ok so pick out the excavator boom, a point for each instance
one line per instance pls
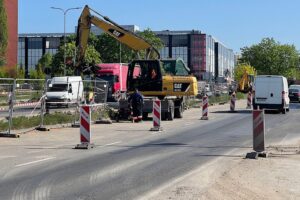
(113, 29)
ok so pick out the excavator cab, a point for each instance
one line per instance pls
(145, 75)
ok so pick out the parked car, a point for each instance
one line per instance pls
(271, 92)
(294, 93)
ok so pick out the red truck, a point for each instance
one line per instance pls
(116, 76)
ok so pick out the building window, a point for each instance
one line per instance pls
(35, 51)
(21, 52)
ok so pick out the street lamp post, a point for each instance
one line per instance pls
(65, 13)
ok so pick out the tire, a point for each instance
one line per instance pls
(145, 115)
(179, 112)
(283, 110)
(288, 109)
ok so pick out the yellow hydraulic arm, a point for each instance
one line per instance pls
(113, 29)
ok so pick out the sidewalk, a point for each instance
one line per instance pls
(276, 177)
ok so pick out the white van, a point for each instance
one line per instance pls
(65, 89)
(271, 92)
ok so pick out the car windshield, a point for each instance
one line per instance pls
(58, 88)
(293, 90)
(108, 77)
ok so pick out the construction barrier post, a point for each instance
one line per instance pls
(76, 123)
(11, 98)
(43, 110)
(232, 102)
(258, 135)
(249, 100)
(85, 128)
(156, 116)
(204, 108)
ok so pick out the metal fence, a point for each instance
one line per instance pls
(7, 88)
(21, 99)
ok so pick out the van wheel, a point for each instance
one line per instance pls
(283, 111)
(288, 109)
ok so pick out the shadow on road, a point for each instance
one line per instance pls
(233, 112)
(219, 155)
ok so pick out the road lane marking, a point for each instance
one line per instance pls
(33, 162)
(3, 157)
(37, 151)
(188, 124)
(110, 144)
(116, 169)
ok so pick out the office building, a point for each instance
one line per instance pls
(207, 58)
(31, 47)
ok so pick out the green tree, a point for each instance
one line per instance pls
(240, 69)
(91, 57)
(150, 37)
(20, 72)
(3, 33)
(109, 49)
(44, 62)
(270, 57)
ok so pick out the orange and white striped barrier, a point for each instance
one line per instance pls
(85, 128)
(204, 108)
(156, 116)
(249, 100)
(258, 130)
(232, 102)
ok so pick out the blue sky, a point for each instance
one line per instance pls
(236, 23)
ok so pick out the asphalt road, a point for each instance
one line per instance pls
(132, 168)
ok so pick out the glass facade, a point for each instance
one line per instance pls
(199, 53)
(35, 51)
(31, 47)
(224, 61)
(21, 52)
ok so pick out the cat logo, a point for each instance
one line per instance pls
(116, 33)
(181, 87)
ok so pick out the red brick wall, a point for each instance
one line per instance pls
(12, 17)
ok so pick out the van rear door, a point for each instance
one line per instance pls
(268, 90)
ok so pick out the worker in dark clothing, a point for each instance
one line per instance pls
(136, 101)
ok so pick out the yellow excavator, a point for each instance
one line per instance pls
(246, 83)
(172, 81)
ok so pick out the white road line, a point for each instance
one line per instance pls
(188, 124)
(33, 162)
(3, 157)
(37, 151)
(112, 143)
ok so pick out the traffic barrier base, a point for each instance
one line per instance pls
(42, 128)
(255, 155)
(85, 146)
(9, 135)
(156, 129)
